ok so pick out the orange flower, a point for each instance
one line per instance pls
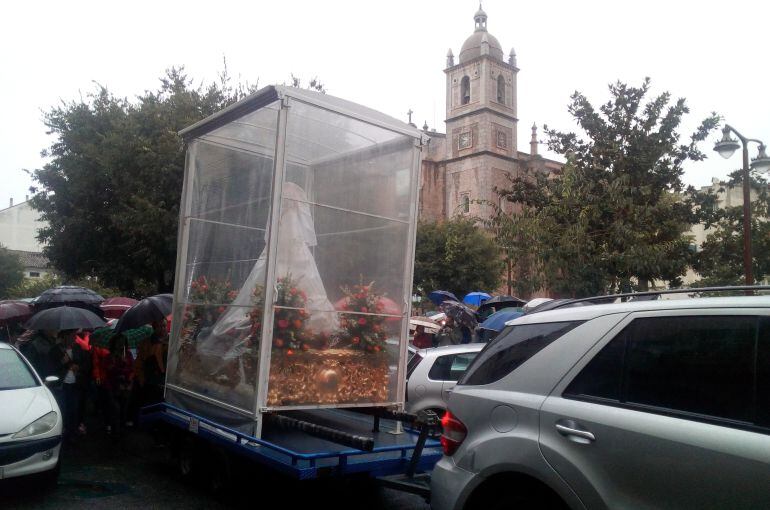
(289, 352)
(278, 342)
(297, 323)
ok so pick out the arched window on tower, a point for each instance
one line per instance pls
(500, 89)
(465, 90)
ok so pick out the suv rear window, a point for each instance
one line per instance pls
(512, 348)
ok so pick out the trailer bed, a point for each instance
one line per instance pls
(302, 456)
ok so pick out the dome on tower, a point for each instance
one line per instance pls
(472, 46)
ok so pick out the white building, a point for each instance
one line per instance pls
(19, 225)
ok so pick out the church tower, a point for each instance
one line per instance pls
(481, 141)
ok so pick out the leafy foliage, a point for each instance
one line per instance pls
(110, 194)
(456, 256)
(615, 215)
(11, 271)
(720, 261)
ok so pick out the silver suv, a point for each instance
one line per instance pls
(648, 404)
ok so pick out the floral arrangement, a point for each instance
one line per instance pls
(360, 329)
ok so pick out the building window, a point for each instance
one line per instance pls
(465, 202)
(465, 140)
(34, 274)
(500, 89)
(502, 140)
(465, 90)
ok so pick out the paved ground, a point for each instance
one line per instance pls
(138, 474)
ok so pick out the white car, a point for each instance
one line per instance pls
(432, 375)
(30, 420)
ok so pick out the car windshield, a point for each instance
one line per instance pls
(14, 373)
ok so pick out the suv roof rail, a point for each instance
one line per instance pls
(604, 299)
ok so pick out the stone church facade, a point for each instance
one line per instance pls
(479, 149)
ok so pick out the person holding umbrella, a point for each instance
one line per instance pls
(119, 371)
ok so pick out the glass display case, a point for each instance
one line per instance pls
(295, 256)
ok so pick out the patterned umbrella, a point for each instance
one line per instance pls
(101, 337)
(64, 317)
(14, 311)
(115, 307)
(146, 311)
(460, 313)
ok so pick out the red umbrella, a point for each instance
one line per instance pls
(115, 307)
(14, 310)
(389, 307)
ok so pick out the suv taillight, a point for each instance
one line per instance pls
(454, 433)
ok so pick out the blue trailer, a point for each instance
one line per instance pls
(293, 291)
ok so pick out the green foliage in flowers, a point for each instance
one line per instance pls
(360, 330)
(289, 324)
(213, 296)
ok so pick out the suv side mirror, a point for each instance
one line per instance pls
(51, 380)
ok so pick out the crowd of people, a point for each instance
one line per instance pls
(112, 382)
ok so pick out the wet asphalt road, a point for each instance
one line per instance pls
(136, 473)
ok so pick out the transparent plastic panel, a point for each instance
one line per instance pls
(357, 364)
(352, 165)
(219, 307)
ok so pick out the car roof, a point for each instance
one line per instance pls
(589, 311)
(4, 345)
(451, 349)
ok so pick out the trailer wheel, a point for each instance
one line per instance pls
(187, 458)
(218, 472)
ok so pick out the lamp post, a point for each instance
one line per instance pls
(726, 147)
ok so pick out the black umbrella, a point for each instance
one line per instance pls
(69, 295)
(63, 318)
(146, 311)
(500, 302)
(460, 313)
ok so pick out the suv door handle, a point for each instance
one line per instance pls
(566, 431)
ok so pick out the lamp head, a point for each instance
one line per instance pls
(761, 163)
(727, 146)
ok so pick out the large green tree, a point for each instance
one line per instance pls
(456, 256)
(110, 193)
(616, 215)
(11, 271)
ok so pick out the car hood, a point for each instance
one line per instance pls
(22, 407)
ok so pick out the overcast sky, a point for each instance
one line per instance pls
(386, 55)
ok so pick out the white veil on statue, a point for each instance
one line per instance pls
(296, 235)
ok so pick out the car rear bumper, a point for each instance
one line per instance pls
(21, 458)
(450, 485)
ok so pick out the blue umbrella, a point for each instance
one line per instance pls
(439, 296)
(475, 298)
(496, 321)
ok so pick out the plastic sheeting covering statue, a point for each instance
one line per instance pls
(296, 236)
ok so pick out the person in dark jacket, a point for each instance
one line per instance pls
(61, 357)
(119, 379)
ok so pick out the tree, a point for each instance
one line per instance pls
(720, 261)
(456, 256)
(11, 271)
(616, 214)
(110, 194)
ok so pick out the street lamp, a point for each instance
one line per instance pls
(726, 147)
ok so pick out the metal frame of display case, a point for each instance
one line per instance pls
(286, 96)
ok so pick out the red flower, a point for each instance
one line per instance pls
(283, 324)
(356, 340)
(376, 328)
(376, 348)
(278, 342)
(364, 309)
(221, 309)
(305, 347)
(362, 322)
(194, 285)
(289, 352)
(205, 288)
(297, 323)
(201, 279)
(293, 291)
